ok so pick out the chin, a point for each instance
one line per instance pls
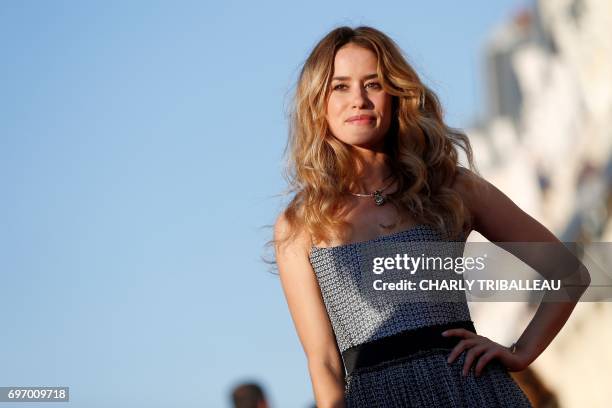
(370, 144)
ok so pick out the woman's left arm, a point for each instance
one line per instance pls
(499, 220)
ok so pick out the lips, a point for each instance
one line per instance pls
(361, 118)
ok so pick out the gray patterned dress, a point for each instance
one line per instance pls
(424, 379)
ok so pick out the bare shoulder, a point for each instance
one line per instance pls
(471, 187)
(287, 238)
(495, 215)
(282, 228)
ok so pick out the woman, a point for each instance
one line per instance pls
(372, 164)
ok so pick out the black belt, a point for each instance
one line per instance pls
(402, 345)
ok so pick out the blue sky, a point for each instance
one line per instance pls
(140, 154)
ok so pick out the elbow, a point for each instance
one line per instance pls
(576, 284)
(584, 280)
(330, 365)
(585, 277)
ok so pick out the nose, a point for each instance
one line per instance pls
(359, 97)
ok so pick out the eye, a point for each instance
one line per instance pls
(373, 85)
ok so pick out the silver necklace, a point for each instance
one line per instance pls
(379, 197)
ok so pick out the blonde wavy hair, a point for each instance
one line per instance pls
(421, 150)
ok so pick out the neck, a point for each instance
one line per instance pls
(373, 172)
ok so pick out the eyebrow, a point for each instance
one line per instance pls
(344, 78)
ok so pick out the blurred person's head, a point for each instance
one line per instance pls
(249, 395)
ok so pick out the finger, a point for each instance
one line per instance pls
(458, 349)
(483, 361)
(471, 356)
(459, 333)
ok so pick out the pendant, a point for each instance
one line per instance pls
(379, 198)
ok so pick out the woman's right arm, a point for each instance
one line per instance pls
(310, 317)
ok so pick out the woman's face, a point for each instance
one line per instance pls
(358, 110)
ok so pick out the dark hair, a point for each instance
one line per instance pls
(247, 395)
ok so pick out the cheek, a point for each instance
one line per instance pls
(333, 112)
(385, 103)
(387, 108)
(332, 104)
